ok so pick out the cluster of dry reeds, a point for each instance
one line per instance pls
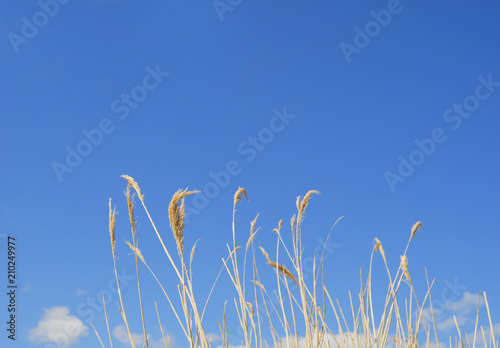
(296, 314)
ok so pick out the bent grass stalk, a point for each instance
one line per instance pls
(283, 319)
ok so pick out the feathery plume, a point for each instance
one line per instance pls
(379, 248)
(415, 228)
(132, 183)
(277, 230)
(283, 269)
(253, 232)
(130, 203)
(112, 219)
(238, 196)
(176, 215)
(302, 205)
(404, 266)
(136, 251)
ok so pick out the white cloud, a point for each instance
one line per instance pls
(213, 336)
(450, 323)
(121, 334)
(487, 334)
(496, 328)
(465, 305)
(427, 313)
(444, 311)
(80, 292)
(57, 326)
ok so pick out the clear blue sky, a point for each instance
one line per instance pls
(394, 120)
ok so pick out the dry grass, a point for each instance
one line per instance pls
(285, 317)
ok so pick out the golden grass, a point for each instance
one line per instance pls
(291, 319)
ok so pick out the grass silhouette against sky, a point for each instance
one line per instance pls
(389, 109)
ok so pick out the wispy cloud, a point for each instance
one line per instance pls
(58, 326)
(450, 323)
(487, 335)
(465, 305)
(213, 336)
(27, 288)
(461, 309)
(120, 333)
(80, 292)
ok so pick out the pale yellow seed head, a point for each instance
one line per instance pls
(283, 270)
(112, 220)
(256, 282)
(252, 224)
(238, 196)
(404, 266)
(379, 248)
(266, 255)
(253, 232)
(136, 251)
(132, 183)
(301, 208)
(176, 215)
(415, 228)
(278, 230)
(192, 252)
(251, 308)
(303, 205)
(130, 203)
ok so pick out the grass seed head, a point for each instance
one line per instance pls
(251, 308)
(132, 183)
(136, 251)
(253, 232)
(238, 196)
(404, 266)
(112, 220)
(283, 270)
(252, 224)
(176, 215)
(130, 203)
(278, 230)
(379, 248)
(302, 205)
(266, 255)
(415, 228)
(192, 252)
(256, 282)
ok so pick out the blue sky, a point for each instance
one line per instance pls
(389, 109)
